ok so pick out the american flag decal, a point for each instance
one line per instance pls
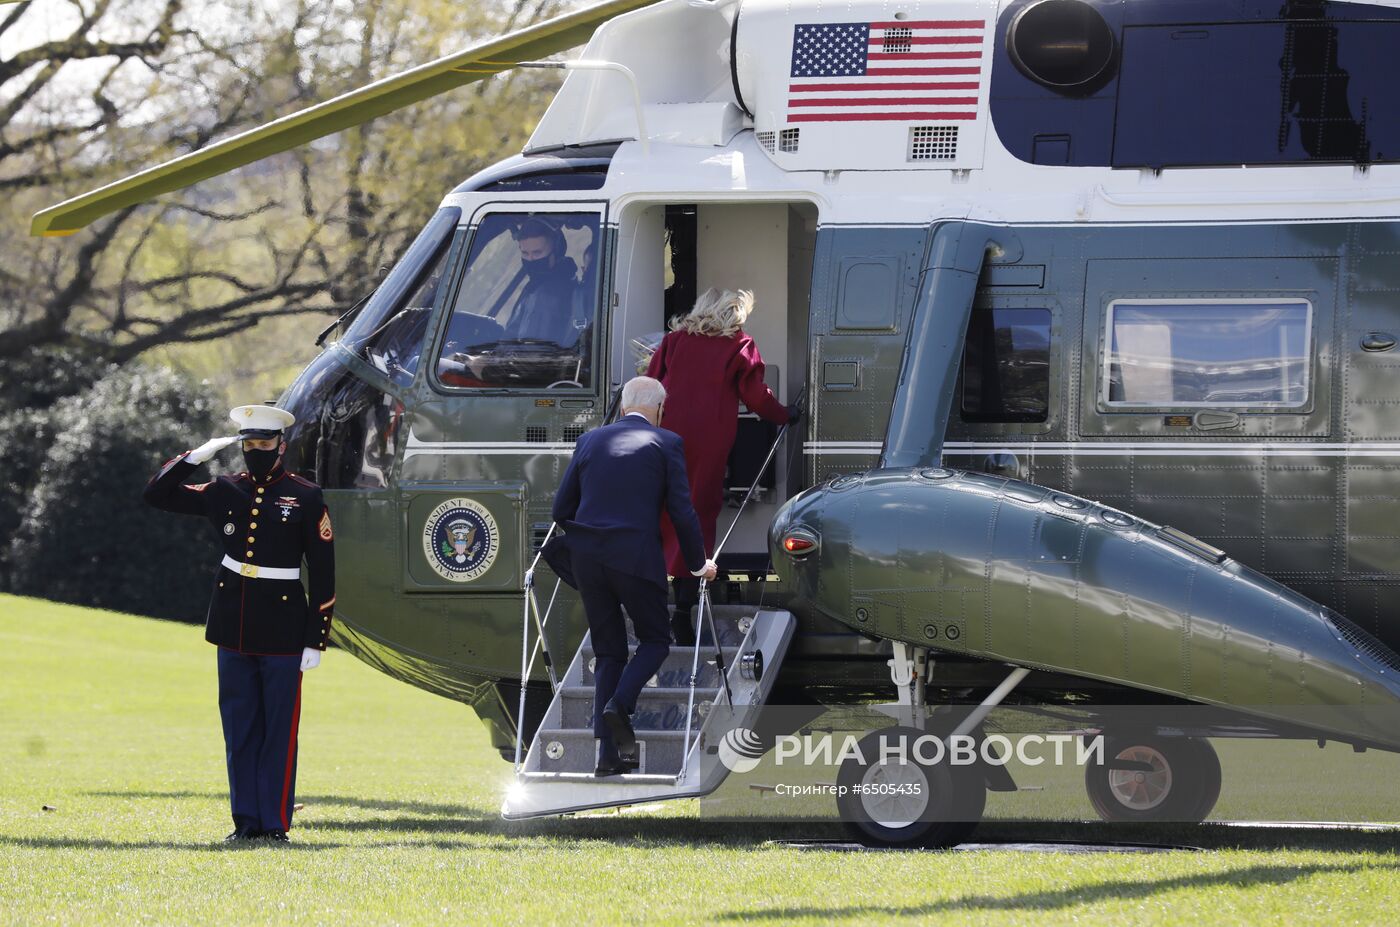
(885, 71)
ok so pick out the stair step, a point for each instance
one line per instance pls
(583, 778)
(658, 708)
(575, 751)
(675, 672)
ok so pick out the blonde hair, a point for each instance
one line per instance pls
(719, 313)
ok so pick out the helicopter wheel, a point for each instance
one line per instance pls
(898, 801)
(1177, 779)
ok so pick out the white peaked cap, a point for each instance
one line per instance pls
(261, 418)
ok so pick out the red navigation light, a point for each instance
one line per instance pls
(799, 542)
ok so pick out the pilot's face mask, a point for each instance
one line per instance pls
(535, 255)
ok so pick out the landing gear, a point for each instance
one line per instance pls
(892, 797)
(1151, 778)
(904, 788)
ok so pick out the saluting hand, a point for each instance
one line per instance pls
(310, 658)
(209, 448)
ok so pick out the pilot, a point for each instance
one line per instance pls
(586, 292)
(266, 631)
(544, 309)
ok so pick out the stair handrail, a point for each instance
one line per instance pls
(707, 611)
(531, 609)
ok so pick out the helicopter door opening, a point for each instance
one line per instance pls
(668, 254)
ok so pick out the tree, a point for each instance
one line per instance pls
(105, 87)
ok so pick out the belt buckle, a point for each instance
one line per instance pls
(248, 569)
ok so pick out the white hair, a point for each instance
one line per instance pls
(643, 393)
(720, 313)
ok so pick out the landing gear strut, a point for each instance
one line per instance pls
(904, 789)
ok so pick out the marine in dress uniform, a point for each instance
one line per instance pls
(266, 629)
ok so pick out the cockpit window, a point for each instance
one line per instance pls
(403, 281)
(526, 310)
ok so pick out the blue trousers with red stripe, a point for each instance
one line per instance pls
(260, 704)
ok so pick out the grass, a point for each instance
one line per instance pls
(111, 720)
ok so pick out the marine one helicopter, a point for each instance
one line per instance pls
(1049, 275)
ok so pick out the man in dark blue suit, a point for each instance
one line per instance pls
(609, 504)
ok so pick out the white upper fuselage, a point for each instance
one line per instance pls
(700, 142)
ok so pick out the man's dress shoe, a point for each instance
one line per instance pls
(242, 833)
(620, 726)
(618, 767)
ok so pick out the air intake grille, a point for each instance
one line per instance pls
(536, 434)
(898, 39)
(768, 140)
(788, 139)
(573, 432)
(933, 143)
(1363, 641)
(537, 535)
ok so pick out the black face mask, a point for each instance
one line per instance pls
(535, 268)
(261, 463)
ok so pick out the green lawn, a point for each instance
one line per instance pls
(111, 720)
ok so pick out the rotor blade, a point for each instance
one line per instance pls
(351, 109)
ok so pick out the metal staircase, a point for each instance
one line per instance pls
(679, 727)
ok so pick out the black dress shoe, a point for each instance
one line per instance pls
(242, 833)
(619, 767)
(276, 836)
(620, 726)
(681, 630)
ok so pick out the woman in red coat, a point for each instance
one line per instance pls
(707, 365)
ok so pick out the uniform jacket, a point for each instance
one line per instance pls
(621, 478)
(276, 522)
(705, 377)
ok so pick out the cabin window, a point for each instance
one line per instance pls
(1185, 353)
(1006, 366)
(527, 308)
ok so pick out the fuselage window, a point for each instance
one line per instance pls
(527, 307)
(1182, 354)
(399, 288)
(396, 345)
(1006, 366)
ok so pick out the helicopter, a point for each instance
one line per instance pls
(1090, 304)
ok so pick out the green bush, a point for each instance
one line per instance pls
(84, 535)
(29, 388)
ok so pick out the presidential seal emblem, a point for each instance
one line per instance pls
(460, 540)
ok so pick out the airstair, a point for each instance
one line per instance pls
(694, 718)
(682, 717)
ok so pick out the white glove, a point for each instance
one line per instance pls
(310, 658)
(209, 448)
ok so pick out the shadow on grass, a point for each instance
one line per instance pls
(1135, 890)
(214, 845)
(438, 820)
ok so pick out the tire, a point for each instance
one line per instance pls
(940, 809)
(1182, 785)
